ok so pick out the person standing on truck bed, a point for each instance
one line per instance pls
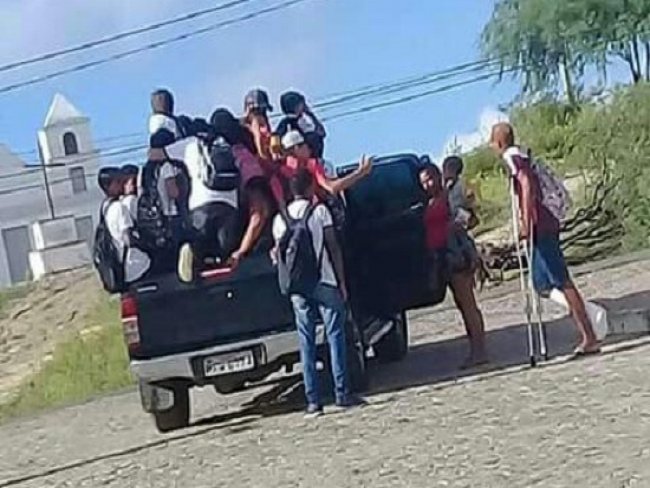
(299, 155)
(307, 247)
(441, 232)
(162, 116)
(213, 214)
(257, 202)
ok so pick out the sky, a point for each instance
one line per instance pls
(319, 47)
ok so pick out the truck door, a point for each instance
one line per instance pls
(389, 269)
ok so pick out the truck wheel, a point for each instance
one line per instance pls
(178, 416)
(356, 359)
(394, 345)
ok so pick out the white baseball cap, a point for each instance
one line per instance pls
(291, 139)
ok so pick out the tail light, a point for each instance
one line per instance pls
(130, 326)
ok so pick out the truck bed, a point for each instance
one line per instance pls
(174, 317)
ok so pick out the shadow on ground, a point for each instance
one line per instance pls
(438, 362)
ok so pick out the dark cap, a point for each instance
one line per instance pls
(258, 99)
(129, 170)
(107, 176)
(290, 101)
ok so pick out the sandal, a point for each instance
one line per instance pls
(580, 352)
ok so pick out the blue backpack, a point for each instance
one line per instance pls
(298, 267)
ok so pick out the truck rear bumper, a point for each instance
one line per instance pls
(179, 366)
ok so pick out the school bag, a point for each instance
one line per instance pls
(107, 259)
(555, 196)
(298, 267)
(219, 170)
(152, 224)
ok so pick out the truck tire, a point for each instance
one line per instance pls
(394, 345)
(178, 416)
(227, 387)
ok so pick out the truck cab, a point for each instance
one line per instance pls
(231, 329)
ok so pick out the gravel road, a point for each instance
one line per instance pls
(566, 424)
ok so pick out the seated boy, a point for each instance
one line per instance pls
(121, 226)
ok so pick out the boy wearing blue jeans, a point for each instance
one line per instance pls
(328, 297)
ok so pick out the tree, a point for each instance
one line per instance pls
(550, 43)
(530, 38)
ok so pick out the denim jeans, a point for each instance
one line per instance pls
(328, 301)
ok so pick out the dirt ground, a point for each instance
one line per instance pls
(32, 326)
(566, 424)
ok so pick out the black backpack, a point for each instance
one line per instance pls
(298, 267)
(107, 259)
(219, 171)
(152, 224)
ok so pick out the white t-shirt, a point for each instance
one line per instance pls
(320, 219)
(131, 203)
(190, 151)
(168, 204)
(161, 121)
(119, 221)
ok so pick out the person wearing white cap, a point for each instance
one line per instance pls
(300, 156)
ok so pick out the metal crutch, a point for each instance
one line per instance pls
(522, 279)
(536, 300)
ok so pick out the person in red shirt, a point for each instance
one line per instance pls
(438, 227)
(299, 156)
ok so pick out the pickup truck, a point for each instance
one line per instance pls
(231, 329)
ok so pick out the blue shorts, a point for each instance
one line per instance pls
(549, 267)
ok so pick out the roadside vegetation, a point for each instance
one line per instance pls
(93, 362)
(570, 113)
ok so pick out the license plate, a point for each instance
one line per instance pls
(228, 363)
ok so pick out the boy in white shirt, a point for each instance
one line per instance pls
(121, 225)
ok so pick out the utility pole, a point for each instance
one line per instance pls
(48, 190)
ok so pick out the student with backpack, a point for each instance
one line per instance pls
(116, 255)
(213, 201)
(311, 273)
(130, 174)
(542, 201)
(256, 190)
(162, 204)
(300, 118)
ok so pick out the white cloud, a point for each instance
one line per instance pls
(462, 143)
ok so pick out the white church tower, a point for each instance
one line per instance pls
(66, 136)
(66, 148)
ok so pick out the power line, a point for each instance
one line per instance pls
(409, 98)
(121, 36)
(396, 87)
(117, 137)
(150, 46)
(411, 81)
(102, 154)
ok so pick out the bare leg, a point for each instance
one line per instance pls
(462, 287)
(579, 313)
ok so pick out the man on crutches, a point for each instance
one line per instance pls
(537, 231)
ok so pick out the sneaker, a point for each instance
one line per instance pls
(186, 263)
(313, 411)
(351, 401)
